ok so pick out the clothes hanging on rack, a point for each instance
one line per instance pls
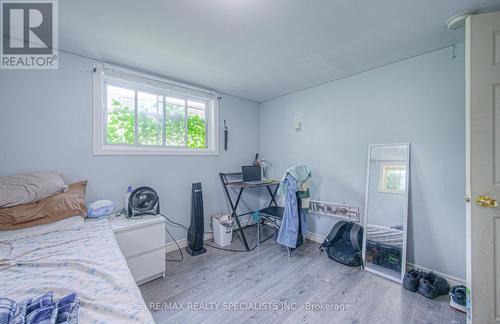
(295, 185)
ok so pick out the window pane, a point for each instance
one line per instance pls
(196, 104)
(395, 178)
(196, 124)
(150, 118)
(120, 126)
(175, 122)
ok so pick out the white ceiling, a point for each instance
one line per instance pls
(258, 49)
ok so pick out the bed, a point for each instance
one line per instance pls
(384, 246)
(389, 236)
(68, 256)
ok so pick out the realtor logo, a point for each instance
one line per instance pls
(29, 30)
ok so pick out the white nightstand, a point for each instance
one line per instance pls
(142, 242)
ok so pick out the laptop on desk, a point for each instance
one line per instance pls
(252, 176)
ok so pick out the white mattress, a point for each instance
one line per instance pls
(72, 256)
(384, 235)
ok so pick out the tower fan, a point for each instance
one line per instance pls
(195, 231)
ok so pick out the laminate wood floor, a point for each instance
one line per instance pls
(265, 286)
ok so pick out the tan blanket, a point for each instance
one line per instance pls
(48, 210)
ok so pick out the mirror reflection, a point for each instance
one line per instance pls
(385, 220)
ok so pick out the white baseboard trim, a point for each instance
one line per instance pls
(452, 280)
(171, 246)
(315, 237)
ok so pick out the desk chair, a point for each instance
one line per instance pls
(274, 215)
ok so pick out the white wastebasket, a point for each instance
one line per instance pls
(222, 227)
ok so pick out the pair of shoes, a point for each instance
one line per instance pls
(432, 286)
(428, 285)
(458, 298)
(412, 279)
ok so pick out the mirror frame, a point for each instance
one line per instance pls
(405, 215)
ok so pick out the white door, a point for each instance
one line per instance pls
(483, 166)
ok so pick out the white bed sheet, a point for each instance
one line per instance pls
(84, 259)
(385, 235)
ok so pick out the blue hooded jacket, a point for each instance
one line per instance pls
(289, 186)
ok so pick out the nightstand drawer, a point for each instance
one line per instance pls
(135, 241)
(147, 266)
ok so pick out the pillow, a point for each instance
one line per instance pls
(28, 188)
(48, 210)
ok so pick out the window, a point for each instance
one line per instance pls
(138, 114)
(392, 177)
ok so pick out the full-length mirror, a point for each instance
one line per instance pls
(386, 210)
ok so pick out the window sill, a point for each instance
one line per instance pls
(392, 192)
(115, 150)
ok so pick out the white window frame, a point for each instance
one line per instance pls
(117, 76)
(382, 177)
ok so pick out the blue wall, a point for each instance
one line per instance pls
(418, 100)
(46, 124)
(386, 209)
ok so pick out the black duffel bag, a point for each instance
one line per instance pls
(343, 244)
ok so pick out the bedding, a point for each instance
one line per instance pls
(48, 210)
(42, 309)
(71, 223)
(390, 236)
(25, 188)
(82, 258)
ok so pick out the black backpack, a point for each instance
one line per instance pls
(343, 244)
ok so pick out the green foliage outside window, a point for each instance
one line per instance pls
(149, 130)
(196, 131)
(394, 180)
(121, 128)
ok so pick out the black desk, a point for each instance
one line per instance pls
(226, 182)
